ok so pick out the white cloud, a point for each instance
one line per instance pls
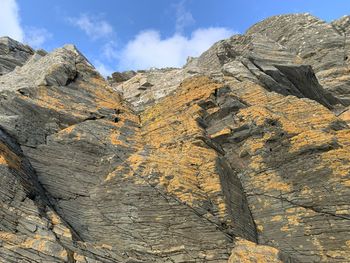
(10, 26)
(184, 18)
(92, 26)
(10, 21)
(148, 49)
(110, 50)
(36, 37)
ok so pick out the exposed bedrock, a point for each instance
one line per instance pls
(242, 155)
(13, 54)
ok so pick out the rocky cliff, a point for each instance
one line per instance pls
(242, 155)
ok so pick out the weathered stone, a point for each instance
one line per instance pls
(148, 87)
(317, 43)
(249, 252)
(12, 54)
(294, 202)
(242, 155)
(118, 77)
(84, 143)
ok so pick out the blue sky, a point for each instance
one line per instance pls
(118, 35)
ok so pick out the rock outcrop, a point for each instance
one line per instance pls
(147, 87)
(242, 155)
(317, 43)
(13, 54)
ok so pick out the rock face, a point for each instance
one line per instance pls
(12, 54)
(242, 155)
(147, 87)
(318, 44)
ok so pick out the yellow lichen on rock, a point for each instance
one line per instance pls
(59, 227)
(40, 244)
(8, 158)
(170, 151)
(186, 170)
(345, 116)
(223, 132)
(50, 99)
(297, 140)
(250, 252)
(2, 160)
(317, 138)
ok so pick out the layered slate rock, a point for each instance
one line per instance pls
(317, 43)
(246, 251)
(265, 56)
(27, 229)
(83, 143)
(292, 201)
(119, 77)
(36, 105)
(342, 25)
(292, 157)
(186, 163)
(147, 87)
(13, 54)
(243, 155)
(262, 60)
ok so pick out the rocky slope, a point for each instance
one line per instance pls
(242, 155)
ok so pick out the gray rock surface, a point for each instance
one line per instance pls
(79, 137)
(280, 156)
(318, 44)
(147, 87)
(265, 62)
(267, 56)
(118, 77)
(239, 156)
(12, 54)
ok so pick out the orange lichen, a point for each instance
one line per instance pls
(186, 170)
(39, 243)
(306, 191)
(58, 226)
(55, 220)
(276, 218)
(71, 132)
(47, 98)
(7, 236)
(248, 252)
(269, 180)
(345, 116)
(68, 130)
(79, 258)
(304, 119)
(346, 183)
(338, 159)
(293, 220)
(2, 160)
(314, 138)
(9, 158)
(103, 95)
(225, 131)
